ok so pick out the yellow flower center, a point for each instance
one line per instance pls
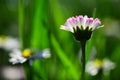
(98, 63)
(27, 53)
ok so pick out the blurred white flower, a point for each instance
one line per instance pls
(93, 67)
(12, 73)
(20, 57)
(9, 43)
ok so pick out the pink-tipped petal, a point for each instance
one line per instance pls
(95, 24)
(78, 21)
(89, 22)
(71, 20)
(81, 20)
(84, 22)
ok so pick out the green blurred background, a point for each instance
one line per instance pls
(36, 23)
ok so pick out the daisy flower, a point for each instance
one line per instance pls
(81, 26)
(93, 67)
(20, 57)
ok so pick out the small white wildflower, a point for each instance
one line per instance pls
(94, 66)
(20, 57)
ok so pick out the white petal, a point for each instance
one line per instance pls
(78, 21)
(72, 21)
(16, 57)
(22, 60)
(13, 61)
(89, 22)
(84, 22)
(46, 53)
(96, 24)
(108, 65)
(91, 68)
(67, 28)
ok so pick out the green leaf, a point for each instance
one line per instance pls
(64, 58)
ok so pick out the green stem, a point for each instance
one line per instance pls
(83, 43)
(27, 67)
(31, 72)
(99, 76)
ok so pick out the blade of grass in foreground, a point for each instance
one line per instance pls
(57, 16)
(64, 58)
(39, 37)
(21, 22)
(56, 11)
(38, 28)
